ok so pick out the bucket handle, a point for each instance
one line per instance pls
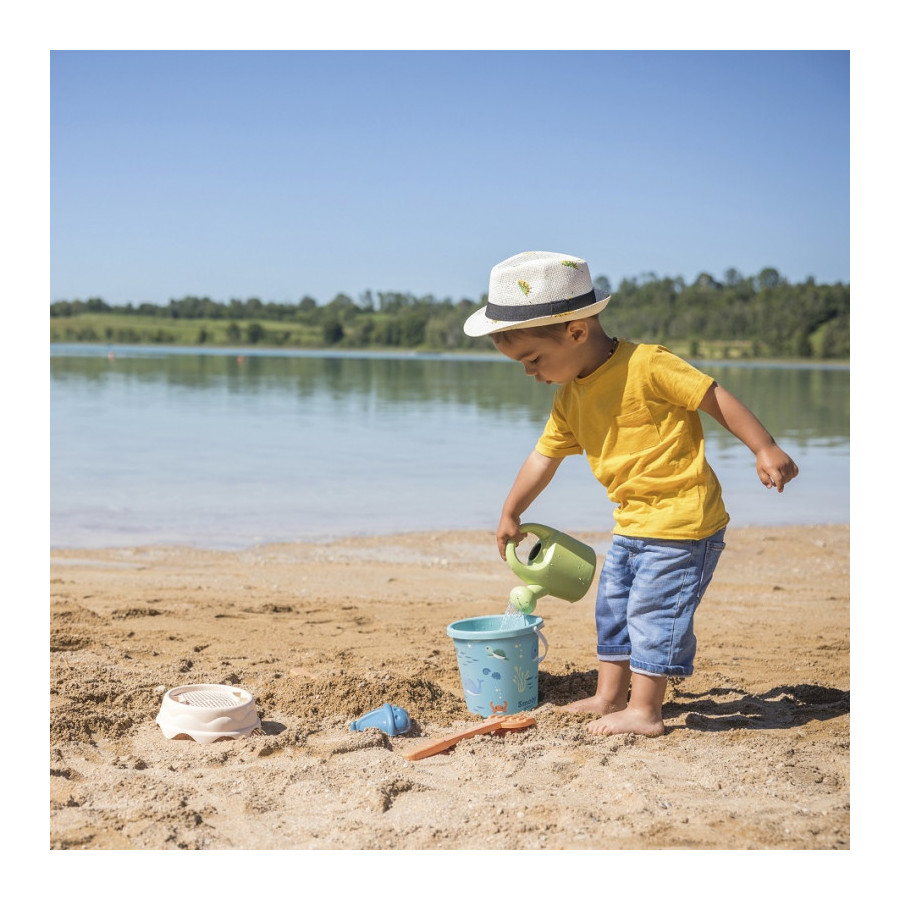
(543, 640)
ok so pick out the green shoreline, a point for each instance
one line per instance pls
(740, 318)
(709, 351)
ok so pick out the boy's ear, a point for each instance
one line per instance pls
(577, 330)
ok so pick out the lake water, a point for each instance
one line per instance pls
(228, 449)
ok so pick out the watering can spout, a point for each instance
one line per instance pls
(524, 598)
(557, 565)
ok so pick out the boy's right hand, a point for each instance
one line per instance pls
(533, 477)
(508, 530)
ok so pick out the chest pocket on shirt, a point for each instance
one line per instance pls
(636, 431)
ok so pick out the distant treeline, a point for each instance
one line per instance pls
(762, 316)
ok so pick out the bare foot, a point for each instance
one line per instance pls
(628, 721)
(595, 704)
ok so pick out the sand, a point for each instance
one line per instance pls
(755, 756)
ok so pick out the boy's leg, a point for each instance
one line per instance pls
(613, 643)
(671, 578)
(613, 680)
(642, 715)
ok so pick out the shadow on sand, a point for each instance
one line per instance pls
(720, 709)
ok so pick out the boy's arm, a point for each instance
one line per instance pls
(773, 466)
(533, 477)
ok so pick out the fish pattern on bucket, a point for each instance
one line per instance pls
(498, 680)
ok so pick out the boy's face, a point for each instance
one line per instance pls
(545, 358)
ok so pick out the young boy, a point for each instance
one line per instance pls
(632, 408)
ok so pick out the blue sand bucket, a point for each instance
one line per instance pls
(498, 667)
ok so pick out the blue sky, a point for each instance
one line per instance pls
(282, 174)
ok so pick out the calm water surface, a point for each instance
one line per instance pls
(223, 450)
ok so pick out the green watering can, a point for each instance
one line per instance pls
(557, 565)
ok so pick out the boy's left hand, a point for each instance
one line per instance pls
(775, 468)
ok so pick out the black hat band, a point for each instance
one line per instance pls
(525, 311)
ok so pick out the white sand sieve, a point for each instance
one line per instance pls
(207, 712)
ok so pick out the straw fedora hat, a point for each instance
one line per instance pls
(536, 288)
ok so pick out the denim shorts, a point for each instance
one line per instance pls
(648, 594)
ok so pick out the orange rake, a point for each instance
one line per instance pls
(492, 723)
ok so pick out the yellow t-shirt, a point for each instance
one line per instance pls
(636, 420)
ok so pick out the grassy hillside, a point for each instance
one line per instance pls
(117, 329)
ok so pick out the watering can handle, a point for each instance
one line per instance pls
(539, 531)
